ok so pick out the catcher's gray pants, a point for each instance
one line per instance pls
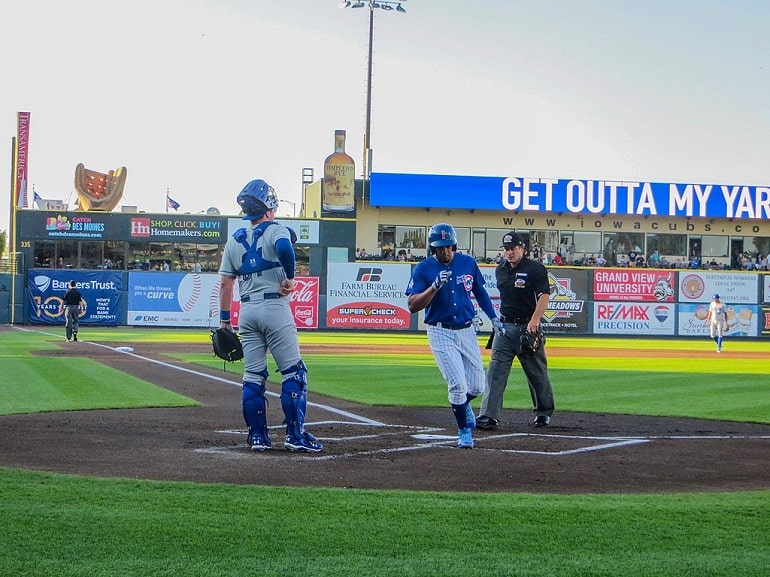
(267, 325)
(504, 349)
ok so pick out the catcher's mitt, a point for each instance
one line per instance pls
(226, 344)
(531, 342)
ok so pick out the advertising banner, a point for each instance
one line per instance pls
(733, 288)
(742, 320)
(182, 228)
(100, 291)
(304, 301)
(569, 195)
(367, 296)
(765, 321)
(173, 299)
(307, 231)
(637, 319)
(57, 225)
(490, 283)
(766, 288)
(613, 284)
(567, 310)
(22, 159)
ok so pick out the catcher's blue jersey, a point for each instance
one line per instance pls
(452, 305)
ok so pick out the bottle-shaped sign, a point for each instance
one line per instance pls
(339, 178)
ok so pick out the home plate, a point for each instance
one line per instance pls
(124, 349)
(434, 437)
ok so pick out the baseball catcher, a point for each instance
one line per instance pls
(227, 346)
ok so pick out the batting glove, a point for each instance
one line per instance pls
(498, 326)
(441, 279)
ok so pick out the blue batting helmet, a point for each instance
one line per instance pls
(256, 198)
(442, 234)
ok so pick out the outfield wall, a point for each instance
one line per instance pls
(366, 296)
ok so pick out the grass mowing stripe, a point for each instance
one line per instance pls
(67, 525)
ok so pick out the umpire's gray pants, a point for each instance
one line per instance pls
(504, 349)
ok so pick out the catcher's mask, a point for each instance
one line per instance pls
(256, 198)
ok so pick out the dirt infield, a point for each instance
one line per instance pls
(378, 447)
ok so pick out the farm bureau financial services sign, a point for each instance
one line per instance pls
(571, 196)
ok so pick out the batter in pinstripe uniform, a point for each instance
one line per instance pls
(442, 285)
(262, 258)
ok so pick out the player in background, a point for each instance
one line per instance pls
(262, 258)
(716, 320)
(72, 304)
(442, 284)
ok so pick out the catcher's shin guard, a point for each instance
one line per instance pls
(254, 404)
(294, 399)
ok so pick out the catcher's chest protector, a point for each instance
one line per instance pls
(252, 261)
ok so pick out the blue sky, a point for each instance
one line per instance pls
(200, 96)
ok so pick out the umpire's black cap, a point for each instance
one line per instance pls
(512, 239)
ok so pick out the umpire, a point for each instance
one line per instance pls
(524, 295)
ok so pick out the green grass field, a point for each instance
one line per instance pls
(74, 526)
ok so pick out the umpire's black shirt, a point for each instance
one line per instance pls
(520, 288)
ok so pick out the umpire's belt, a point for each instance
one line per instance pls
(259, 297)
(450, 327)
(515, 320)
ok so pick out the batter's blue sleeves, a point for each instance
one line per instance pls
(285, 253)
(485, 302)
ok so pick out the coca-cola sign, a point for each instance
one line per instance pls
(304, 302)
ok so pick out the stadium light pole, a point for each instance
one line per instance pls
(372, 5)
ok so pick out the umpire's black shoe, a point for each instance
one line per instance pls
(542, 421)
(486, 423)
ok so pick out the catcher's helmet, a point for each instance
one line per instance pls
(442, 234)
(256, 198)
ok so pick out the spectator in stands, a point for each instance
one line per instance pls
(563, 250)
(623, 260)
(601, 261)
(654, 260)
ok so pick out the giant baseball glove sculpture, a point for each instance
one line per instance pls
(227, 345)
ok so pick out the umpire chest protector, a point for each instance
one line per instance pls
(252, 261)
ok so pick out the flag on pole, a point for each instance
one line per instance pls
(37, 198)
(171, 203)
